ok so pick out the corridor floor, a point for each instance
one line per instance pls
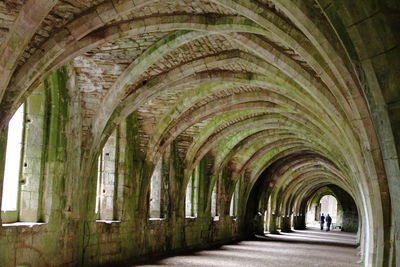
(300, 248)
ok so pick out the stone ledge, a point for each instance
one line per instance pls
(22, 224)
(108, 221)
(157, 219)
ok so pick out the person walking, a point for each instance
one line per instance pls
(322, 221)
(328, 222)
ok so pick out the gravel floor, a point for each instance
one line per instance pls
(300, 248)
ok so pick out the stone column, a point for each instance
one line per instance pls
(272, 223)
(3, 147)
(285, 224)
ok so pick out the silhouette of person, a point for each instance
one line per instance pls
(328, 222)
(322, 221)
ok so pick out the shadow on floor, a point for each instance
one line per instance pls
(313, 236)
(309, 247)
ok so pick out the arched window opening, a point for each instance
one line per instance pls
(107, 180)
(265, 221)
(313, 214)
(13, 161)
(23, 176)
(328, 205)
(155, 191)
(233, 210)
(192, 195)
(214, 208)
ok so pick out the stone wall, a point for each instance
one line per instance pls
(350, 219)
(67, 233)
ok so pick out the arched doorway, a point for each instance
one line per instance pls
(328, 204)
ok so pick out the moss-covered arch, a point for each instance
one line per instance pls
(41, 64)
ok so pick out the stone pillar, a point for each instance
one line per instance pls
(299, 222)
(176, 192)
(3, 147)
(350, 219)
(58, 156)
(130, 168)
(272, 225)
(62, 199)
(285, 224)
(339, 216)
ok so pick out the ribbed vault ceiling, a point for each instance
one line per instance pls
(236, 79)
(251, 83)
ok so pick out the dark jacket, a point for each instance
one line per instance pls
(328, 219)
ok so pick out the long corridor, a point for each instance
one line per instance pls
(310, 247)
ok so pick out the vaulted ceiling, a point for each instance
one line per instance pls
(250, 82)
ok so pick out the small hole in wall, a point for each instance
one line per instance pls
(104, 191)
(25, 164)
(28, 120)
(107, 154)
(144, 82)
